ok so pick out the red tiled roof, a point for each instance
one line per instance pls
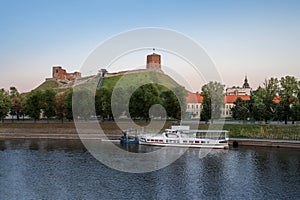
(197, 98)
(277, 99)
(232, 98)
(194, 98)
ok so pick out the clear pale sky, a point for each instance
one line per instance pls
(257, 38)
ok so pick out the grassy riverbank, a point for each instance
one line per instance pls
(261, 131)
(67, 128)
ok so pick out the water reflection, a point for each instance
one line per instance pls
(56, 169)
(40, 144)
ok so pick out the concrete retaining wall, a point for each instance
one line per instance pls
(234, 142)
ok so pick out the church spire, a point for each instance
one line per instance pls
(246, 84)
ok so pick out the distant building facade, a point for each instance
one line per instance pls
(236, 90)
(194, 105)
(195, 100)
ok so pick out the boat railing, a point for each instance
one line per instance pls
(211, 137)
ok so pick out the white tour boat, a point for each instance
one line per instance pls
(182, 136)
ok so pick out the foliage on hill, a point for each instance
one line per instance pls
(140, 91)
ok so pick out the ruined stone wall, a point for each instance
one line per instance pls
(60, 74)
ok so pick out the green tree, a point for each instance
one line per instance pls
(118, 106)
(263, 107)
(295, 111)
(103, 102)
(213, 101)
(296, 107)
(180, 104)
(48, 103)
(205, 114)
(23, 112)
(33, 104)
(260, 111)
(171, 104)
(240, 110)
(288, 91)
(16, 107)
(174, 101)
(83, 106)
(5, 103)
(142, 100)
(279, 111)
(60, 109)
(67, 105)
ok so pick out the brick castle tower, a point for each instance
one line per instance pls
(153, 62)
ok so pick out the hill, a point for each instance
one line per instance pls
(48, 84)
(123, 80)
(129, 79)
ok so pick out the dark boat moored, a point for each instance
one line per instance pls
(127, 139)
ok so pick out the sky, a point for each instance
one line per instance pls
(257, 38)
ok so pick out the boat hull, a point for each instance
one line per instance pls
(207, 146)
(126, 140)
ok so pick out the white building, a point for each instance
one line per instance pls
(194, 105)
(236, 90)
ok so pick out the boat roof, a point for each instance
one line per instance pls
(206, 131)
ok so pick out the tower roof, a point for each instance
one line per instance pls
(246, 84)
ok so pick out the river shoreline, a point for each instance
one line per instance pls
(111, 131)
(233, 142)
(236, 142)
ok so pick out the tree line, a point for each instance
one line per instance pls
(262, 105)
(276, 100)
(51, 103)
(48, 103)
(141, 101)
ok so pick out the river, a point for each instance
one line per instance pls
(64, 169)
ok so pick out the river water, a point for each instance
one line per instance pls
(63, 169)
